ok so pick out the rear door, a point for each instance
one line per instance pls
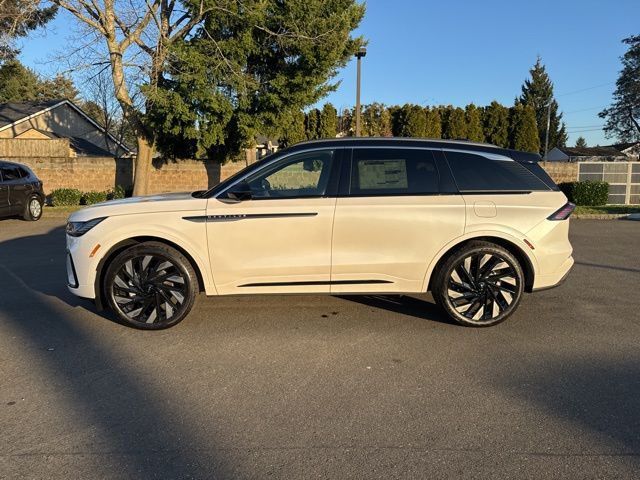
(396, 210)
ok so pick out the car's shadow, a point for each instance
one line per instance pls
(139, 434)
(402, 304)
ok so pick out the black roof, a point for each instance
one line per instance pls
(86, 148)
(420, 142)
(591, 151)
(14, 111)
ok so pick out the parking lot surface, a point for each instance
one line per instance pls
(320, 386)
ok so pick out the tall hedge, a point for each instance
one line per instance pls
(586, 193)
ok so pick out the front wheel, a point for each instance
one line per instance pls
(33, 209)
(479, 285)
(150, 286)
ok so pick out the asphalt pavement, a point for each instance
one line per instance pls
(306, 387)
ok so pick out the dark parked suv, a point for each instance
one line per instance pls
(20, 191)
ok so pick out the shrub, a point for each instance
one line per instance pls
(64, 197)
(89, 198)
(586, 193)
(116, 193)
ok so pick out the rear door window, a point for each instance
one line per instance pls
(477, 173)
(393, 171)
(10, 174)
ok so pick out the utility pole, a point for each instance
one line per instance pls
(359, 54)
(546, 137)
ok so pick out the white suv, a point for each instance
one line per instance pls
(475, 224)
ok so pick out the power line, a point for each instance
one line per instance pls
(585, 126)
(583, 110)
(586, 89)
(586, 130)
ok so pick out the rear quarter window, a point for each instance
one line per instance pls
(477, 173)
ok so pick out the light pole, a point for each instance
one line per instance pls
(359, 54)
(546, 137)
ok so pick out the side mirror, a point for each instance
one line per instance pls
(240, 192)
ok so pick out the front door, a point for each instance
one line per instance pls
(275, 238)
(392, 218)
(5, 208)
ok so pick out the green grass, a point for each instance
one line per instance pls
(53, 212)
(607, 209)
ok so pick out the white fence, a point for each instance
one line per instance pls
(623, 179)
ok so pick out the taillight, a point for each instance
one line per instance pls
(563, 213)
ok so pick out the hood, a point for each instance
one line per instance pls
(165, 202)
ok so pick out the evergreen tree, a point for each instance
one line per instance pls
(58, 87)
(219, 72)
(385, 122)
(538, 93)
(473, 119)
(623, 116)
(434, 123)
(17, 82)
(523, 129)
(376, 121)
(328, 122)
(455, 125)
(345, 122)
(312, 123)
(396, 113)
(581, 143)
(293, 128)
(413, 121)
(496, 124)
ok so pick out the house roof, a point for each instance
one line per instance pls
(86, 148)
(16, 112)
(624, 146)
(591, 151)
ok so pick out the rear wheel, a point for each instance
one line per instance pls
(33, 209)
(150, 286)
(479, 285)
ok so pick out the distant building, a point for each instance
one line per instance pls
(586, 154)
(55, 120)
(630, 149)
(265, 146)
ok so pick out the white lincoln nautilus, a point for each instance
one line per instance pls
(475, 224)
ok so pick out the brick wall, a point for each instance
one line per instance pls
(188, 175)
(97, 173)
(561, 171)
(100, 174)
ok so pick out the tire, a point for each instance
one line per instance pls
(33, 209)
(479, 285)
(150, 286)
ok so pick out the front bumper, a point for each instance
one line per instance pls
(80, 275)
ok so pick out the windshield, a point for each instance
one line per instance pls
(228, 181)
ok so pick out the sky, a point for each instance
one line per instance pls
(458, 52)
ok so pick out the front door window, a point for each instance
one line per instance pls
(299, 176)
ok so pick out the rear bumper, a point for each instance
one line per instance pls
(545, 282)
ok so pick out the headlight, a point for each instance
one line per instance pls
(77, 229)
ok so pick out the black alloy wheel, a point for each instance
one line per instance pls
(480, 285)
(151, 286)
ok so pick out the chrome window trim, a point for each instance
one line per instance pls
(488, 155)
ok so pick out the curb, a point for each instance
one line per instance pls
(607, 216)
